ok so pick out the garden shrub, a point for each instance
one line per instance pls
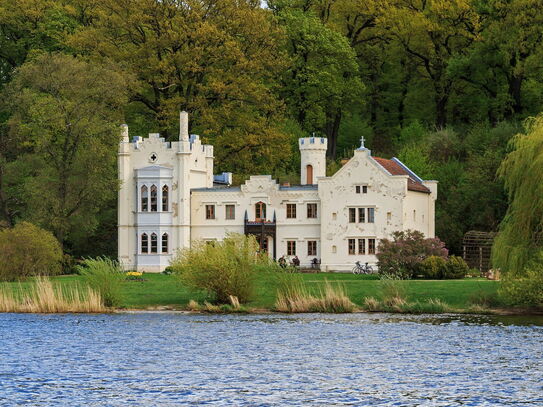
(525, 288)
(402, 255)
(27, 250)
(104, 276)
(223, 269)
(455, 267)
(432, 268)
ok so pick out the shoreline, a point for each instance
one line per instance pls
(261, 311)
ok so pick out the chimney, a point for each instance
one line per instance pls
(124, 133)
(183, 126)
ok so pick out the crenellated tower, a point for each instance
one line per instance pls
(313, 159)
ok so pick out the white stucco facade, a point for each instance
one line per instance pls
(169, 198)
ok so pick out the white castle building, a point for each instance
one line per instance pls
(169, 198)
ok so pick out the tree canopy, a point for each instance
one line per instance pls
(442, 84)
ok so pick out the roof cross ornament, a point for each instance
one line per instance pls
(362, 139)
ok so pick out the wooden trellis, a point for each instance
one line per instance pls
(477, 248)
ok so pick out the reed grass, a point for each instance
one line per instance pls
(398, 304)
(44, 297)
(371, 304)
(293, 296)
(193, 306)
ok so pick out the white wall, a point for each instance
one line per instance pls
(385, 193)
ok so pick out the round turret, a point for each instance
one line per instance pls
(313, 159)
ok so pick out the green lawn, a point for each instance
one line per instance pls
(161, 290)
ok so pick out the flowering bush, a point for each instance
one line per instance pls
(402, 255)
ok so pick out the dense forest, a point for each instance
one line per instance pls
(442, 84)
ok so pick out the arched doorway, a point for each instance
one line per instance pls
(260, 211)
(309, 171)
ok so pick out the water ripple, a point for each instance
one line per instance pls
(146, 359)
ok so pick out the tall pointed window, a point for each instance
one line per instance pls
(154, 243)
(309, 171)
(144, 243)
(144, 199)
(260, 211)
(164, 243)
(165, 198)
(154, 198)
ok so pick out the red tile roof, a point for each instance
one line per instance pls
(396, 169)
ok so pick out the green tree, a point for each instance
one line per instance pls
(65, 112)
(322, 80)
(218, 60)
(521, 232)
(26, 250)
(432, 33)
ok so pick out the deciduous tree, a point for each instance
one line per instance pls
(65, 111)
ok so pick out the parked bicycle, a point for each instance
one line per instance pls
(362, 269)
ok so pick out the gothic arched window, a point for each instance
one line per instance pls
(165, 198)
(309, 170)
(154, 198)
(260, 211)
(164, 243)
(144, 199)
(144, 243)
(154, 243)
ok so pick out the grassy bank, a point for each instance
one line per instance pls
(158, 290)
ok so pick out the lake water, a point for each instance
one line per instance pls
(166, 359)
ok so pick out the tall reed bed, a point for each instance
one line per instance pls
(44, 297)
(105, 276)
(294, 296)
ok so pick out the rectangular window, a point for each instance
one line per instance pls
(311, 210)
(352, 215)
(352, 246)
(357, 189)
(230, 211)
(291, 248)
(311, 247)
(364, 189)
(371, 215)
(291, 211)
(210, 211)
(361, 246)
(371, 246)
(361, 215)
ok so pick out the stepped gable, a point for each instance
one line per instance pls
(396, 169)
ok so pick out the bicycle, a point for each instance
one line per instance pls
(362, 269)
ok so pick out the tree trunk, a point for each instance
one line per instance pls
(515, 87)
(332, 132)
(441, 110)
